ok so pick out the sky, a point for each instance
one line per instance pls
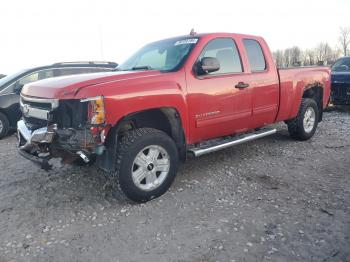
(41, 32)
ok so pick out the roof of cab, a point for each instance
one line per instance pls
(216, 34)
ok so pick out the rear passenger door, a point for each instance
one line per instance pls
(263, 82)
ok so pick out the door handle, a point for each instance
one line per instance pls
(241, 85)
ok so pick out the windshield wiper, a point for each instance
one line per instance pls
(141, 68)
(133, 68)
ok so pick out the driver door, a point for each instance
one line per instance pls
(217, 106)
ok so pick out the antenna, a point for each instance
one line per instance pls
(192, 33)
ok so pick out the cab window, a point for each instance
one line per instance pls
(225, 51)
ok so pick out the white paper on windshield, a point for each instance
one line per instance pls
(186, 41)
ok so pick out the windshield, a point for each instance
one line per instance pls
(342, 65)
(166, 55)
(8, 79)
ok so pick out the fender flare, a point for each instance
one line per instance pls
(106, 161)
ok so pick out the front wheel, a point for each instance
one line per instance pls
(304, 125)
(147, 163)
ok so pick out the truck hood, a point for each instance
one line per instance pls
(340, 77)
(66, 87)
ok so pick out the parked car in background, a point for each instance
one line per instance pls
(11, 86)
(340, 89)
(192, 94)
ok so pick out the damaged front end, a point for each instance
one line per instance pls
(73, 130)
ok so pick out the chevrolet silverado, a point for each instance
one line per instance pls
(188, 95)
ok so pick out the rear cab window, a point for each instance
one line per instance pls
(255, 55)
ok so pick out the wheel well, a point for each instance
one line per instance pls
(316, 93)
(165, 119)
(153, 118)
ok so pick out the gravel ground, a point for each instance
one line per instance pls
(274, 199)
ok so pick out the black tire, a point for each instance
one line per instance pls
(296, 126)
(133, 143)
(5, 125)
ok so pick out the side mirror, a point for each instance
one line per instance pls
(207, 65)
(18, 87)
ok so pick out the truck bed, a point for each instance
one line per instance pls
(292, 83)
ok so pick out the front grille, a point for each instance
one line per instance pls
(341, 90)
(340, 93)
(37, 111)
(35, 123)
(40, 105)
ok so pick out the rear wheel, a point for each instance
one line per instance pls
(147, 163)
(304, 125)
(4, 125)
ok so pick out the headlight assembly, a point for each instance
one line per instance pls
(96, 110)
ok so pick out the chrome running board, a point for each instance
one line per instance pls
(218, 144)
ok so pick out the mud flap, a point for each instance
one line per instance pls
(106, 161)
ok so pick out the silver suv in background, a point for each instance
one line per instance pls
(11, 86)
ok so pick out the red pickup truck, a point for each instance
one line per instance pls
(191, 94)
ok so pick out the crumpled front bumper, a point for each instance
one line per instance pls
(30, 141)
(68, 144)
(41, 135)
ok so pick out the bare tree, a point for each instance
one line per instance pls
(295, 56)
(335, 55)
(309, 57)
(344, 39)
(278, 56)
(287, 57)
(323, 53)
